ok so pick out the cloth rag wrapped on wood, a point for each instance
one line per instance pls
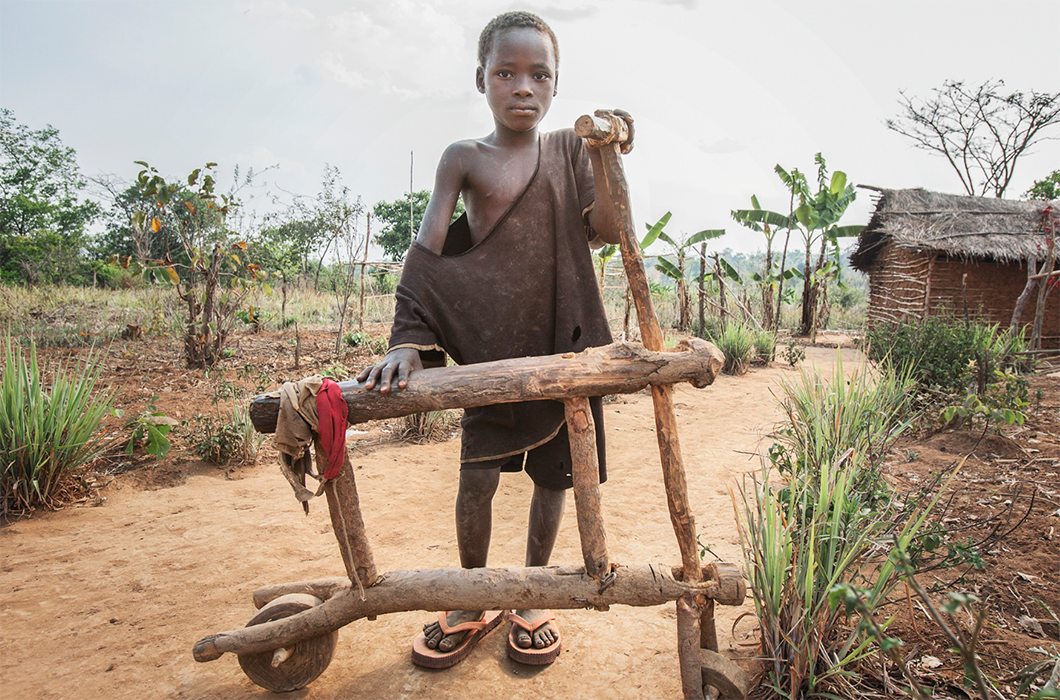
(311, 411)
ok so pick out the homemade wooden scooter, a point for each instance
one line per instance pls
(290, 641)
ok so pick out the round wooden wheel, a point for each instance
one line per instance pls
(724, 676)
(297, 665)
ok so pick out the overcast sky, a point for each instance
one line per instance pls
(721, 91)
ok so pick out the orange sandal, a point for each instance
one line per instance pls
(422, 655)
(531, 656)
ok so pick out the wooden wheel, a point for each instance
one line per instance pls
(724, 676)
(297, 665)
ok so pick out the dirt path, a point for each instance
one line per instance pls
(107, 601)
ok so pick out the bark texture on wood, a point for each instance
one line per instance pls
(586, 472)
(688, 648)
(347, 523)
(549, 587)
(300, 663)
(323, 588)
(619, 368)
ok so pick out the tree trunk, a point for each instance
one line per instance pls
(702, 289)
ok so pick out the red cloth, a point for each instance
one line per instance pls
(332, 412)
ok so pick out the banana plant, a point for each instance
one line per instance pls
(674, 267)
(768, 223)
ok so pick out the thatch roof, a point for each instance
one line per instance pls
(984, 228)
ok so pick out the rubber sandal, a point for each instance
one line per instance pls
(424, 656)
(532, 656)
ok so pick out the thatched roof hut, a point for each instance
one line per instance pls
(928, 253)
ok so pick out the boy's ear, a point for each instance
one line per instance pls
(480, 79)
(555, 83)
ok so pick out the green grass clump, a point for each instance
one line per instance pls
(46, 432)
(819, 516)
(738, 344)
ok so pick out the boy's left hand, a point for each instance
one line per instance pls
(627, 145)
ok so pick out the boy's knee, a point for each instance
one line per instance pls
(479, 484)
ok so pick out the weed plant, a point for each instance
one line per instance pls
(765, 346)
(815, 518)
(225, 438)
(738, 344)
(46, 432)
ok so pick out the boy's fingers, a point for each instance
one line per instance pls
(403, 376)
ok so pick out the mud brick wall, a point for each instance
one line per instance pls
(904, 285)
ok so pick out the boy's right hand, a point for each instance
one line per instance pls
(397, 365)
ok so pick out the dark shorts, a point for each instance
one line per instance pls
(549, 465)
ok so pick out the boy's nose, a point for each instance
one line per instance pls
(523, 86)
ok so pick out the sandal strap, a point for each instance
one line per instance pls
(469, 626)
(531, 627)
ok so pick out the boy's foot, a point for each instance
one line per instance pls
(436, 637)
(469, 632)
(534, 638)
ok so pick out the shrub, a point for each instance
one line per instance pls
(46, 432)
(737, 342)
(220, 440)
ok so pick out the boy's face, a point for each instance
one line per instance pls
(519, 78)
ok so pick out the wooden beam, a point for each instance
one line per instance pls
(620, 368)
(550, 587)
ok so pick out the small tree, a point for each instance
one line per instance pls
(217, 276)
(1047, 189)
(818, 215)
(768, 223)
(981, 131)
(42, 222)
(396, 234)
(676, 269)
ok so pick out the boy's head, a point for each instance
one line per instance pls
(517, 71)
(513, 20)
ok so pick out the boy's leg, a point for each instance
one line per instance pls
(474, 523)
(546, 514)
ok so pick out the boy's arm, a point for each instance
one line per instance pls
(393, 372)
(603, 218)
(448, 181)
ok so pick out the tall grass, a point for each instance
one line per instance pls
(46, 432)
(738, 344)
(818, 516)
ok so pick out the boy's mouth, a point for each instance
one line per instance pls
(522, 109)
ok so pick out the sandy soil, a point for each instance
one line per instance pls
(107, 601)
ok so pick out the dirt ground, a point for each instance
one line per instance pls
(106, 599)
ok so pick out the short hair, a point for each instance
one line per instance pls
(513, 20)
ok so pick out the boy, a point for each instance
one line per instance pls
(513, 277)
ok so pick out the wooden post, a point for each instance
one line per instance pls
(586, 472)
(345, 508)
(606, 134)
(364, 264)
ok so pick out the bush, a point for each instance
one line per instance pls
(737, 342)
(46, 432)
(220, 440)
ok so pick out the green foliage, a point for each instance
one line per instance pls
(794, 353)
(42, 222)
(217, 276)
(969, 369)
(1048, 188)
(221, 439)
(360, 339)
(46, 432)
(765, 345)
(738, 344)
(149, 429)
(823, 527)
(396, 235)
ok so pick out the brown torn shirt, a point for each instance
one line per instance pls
(528, 288)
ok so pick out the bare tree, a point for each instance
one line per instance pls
(980, 131)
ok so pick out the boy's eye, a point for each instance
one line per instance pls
(504, 74)
(541, 76)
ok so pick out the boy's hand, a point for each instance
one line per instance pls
(627, 145)
(393, 371)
